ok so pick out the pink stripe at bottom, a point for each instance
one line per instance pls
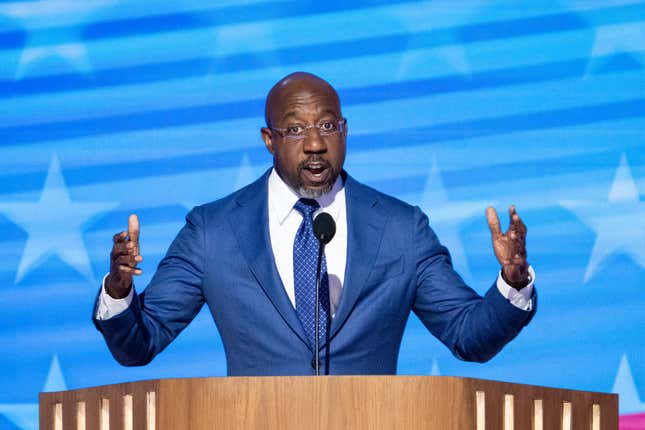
(632, 422)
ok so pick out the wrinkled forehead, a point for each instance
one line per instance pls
(306, 105)
(302, 100)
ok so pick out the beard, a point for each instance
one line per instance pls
(320, 189)
(314, 193)
(297, 182)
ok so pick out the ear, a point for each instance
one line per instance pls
(268, 138)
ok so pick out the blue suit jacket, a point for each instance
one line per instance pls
(395, 264)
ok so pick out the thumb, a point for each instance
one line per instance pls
(493, 222)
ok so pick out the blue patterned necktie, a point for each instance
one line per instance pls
(305, 258)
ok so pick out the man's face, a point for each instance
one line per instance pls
(309, 165)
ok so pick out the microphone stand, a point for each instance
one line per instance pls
(321, 248)
(324, 230)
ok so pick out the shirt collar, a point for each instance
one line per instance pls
(282, 198)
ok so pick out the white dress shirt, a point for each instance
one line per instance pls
(284, 222)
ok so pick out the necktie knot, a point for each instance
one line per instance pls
(306, 207)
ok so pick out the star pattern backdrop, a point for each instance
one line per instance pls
(147, 106)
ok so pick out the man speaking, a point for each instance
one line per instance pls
(251, 257)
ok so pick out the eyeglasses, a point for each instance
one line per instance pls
(325, 128)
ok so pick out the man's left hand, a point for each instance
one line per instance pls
(510, 247)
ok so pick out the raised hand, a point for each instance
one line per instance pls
(510, 247)
(124, 259)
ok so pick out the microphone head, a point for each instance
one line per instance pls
(324, 227)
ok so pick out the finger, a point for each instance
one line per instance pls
(493, 222)
(511, 215)
(125, 260)
(122, 248)
(520, 225)
(116, 253)
(516, 219)
(130, 270)
(133, 229)
(119, 237)
(128, 260)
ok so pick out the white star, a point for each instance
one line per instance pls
(254, 39)
(55, 380)
(245, 175)
(619, 223)
(446, 217)
(627, 38)
(451, 56)
(412, 60)
(54, 225)
(626, 388)
(39, 17)
(25, 415)
(435, 368)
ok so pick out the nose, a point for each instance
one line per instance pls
(313, 142)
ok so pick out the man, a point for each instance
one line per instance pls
(251, 258)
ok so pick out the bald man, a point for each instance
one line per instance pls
(251, 258)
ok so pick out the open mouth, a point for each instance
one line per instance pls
(316, 173)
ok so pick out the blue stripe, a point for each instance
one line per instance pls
(183, 21)
(106, 173)
(254, 108)
(113, 220)
(152, 119)
(12, 39)
(311, 53)
(463, 130)
(521, 27)
(537, 169)
(222, 16)
(106, 78)
(202, 66)
(22, 182)
(158, 72)
(539, 73)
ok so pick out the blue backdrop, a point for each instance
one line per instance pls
(109, 107)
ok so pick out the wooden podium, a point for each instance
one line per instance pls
(328, 402)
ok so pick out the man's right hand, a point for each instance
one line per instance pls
(123, 260)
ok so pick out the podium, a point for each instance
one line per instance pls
(328, 402)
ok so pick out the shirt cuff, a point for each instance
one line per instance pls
(108, 306)
(518, 298)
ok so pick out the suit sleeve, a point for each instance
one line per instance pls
(171, 300)
(473, 327)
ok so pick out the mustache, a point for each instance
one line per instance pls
(314, 159)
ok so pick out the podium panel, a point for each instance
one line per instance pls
(328, 402)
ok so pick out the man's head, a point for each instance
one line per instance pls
(306, 133)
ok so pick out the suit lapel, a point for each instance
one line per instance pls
(365, 223)
(250, 223)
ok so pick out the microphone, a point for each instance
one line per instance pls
(324, 230)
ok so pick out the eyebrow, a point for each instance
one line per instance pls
(287, 115)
